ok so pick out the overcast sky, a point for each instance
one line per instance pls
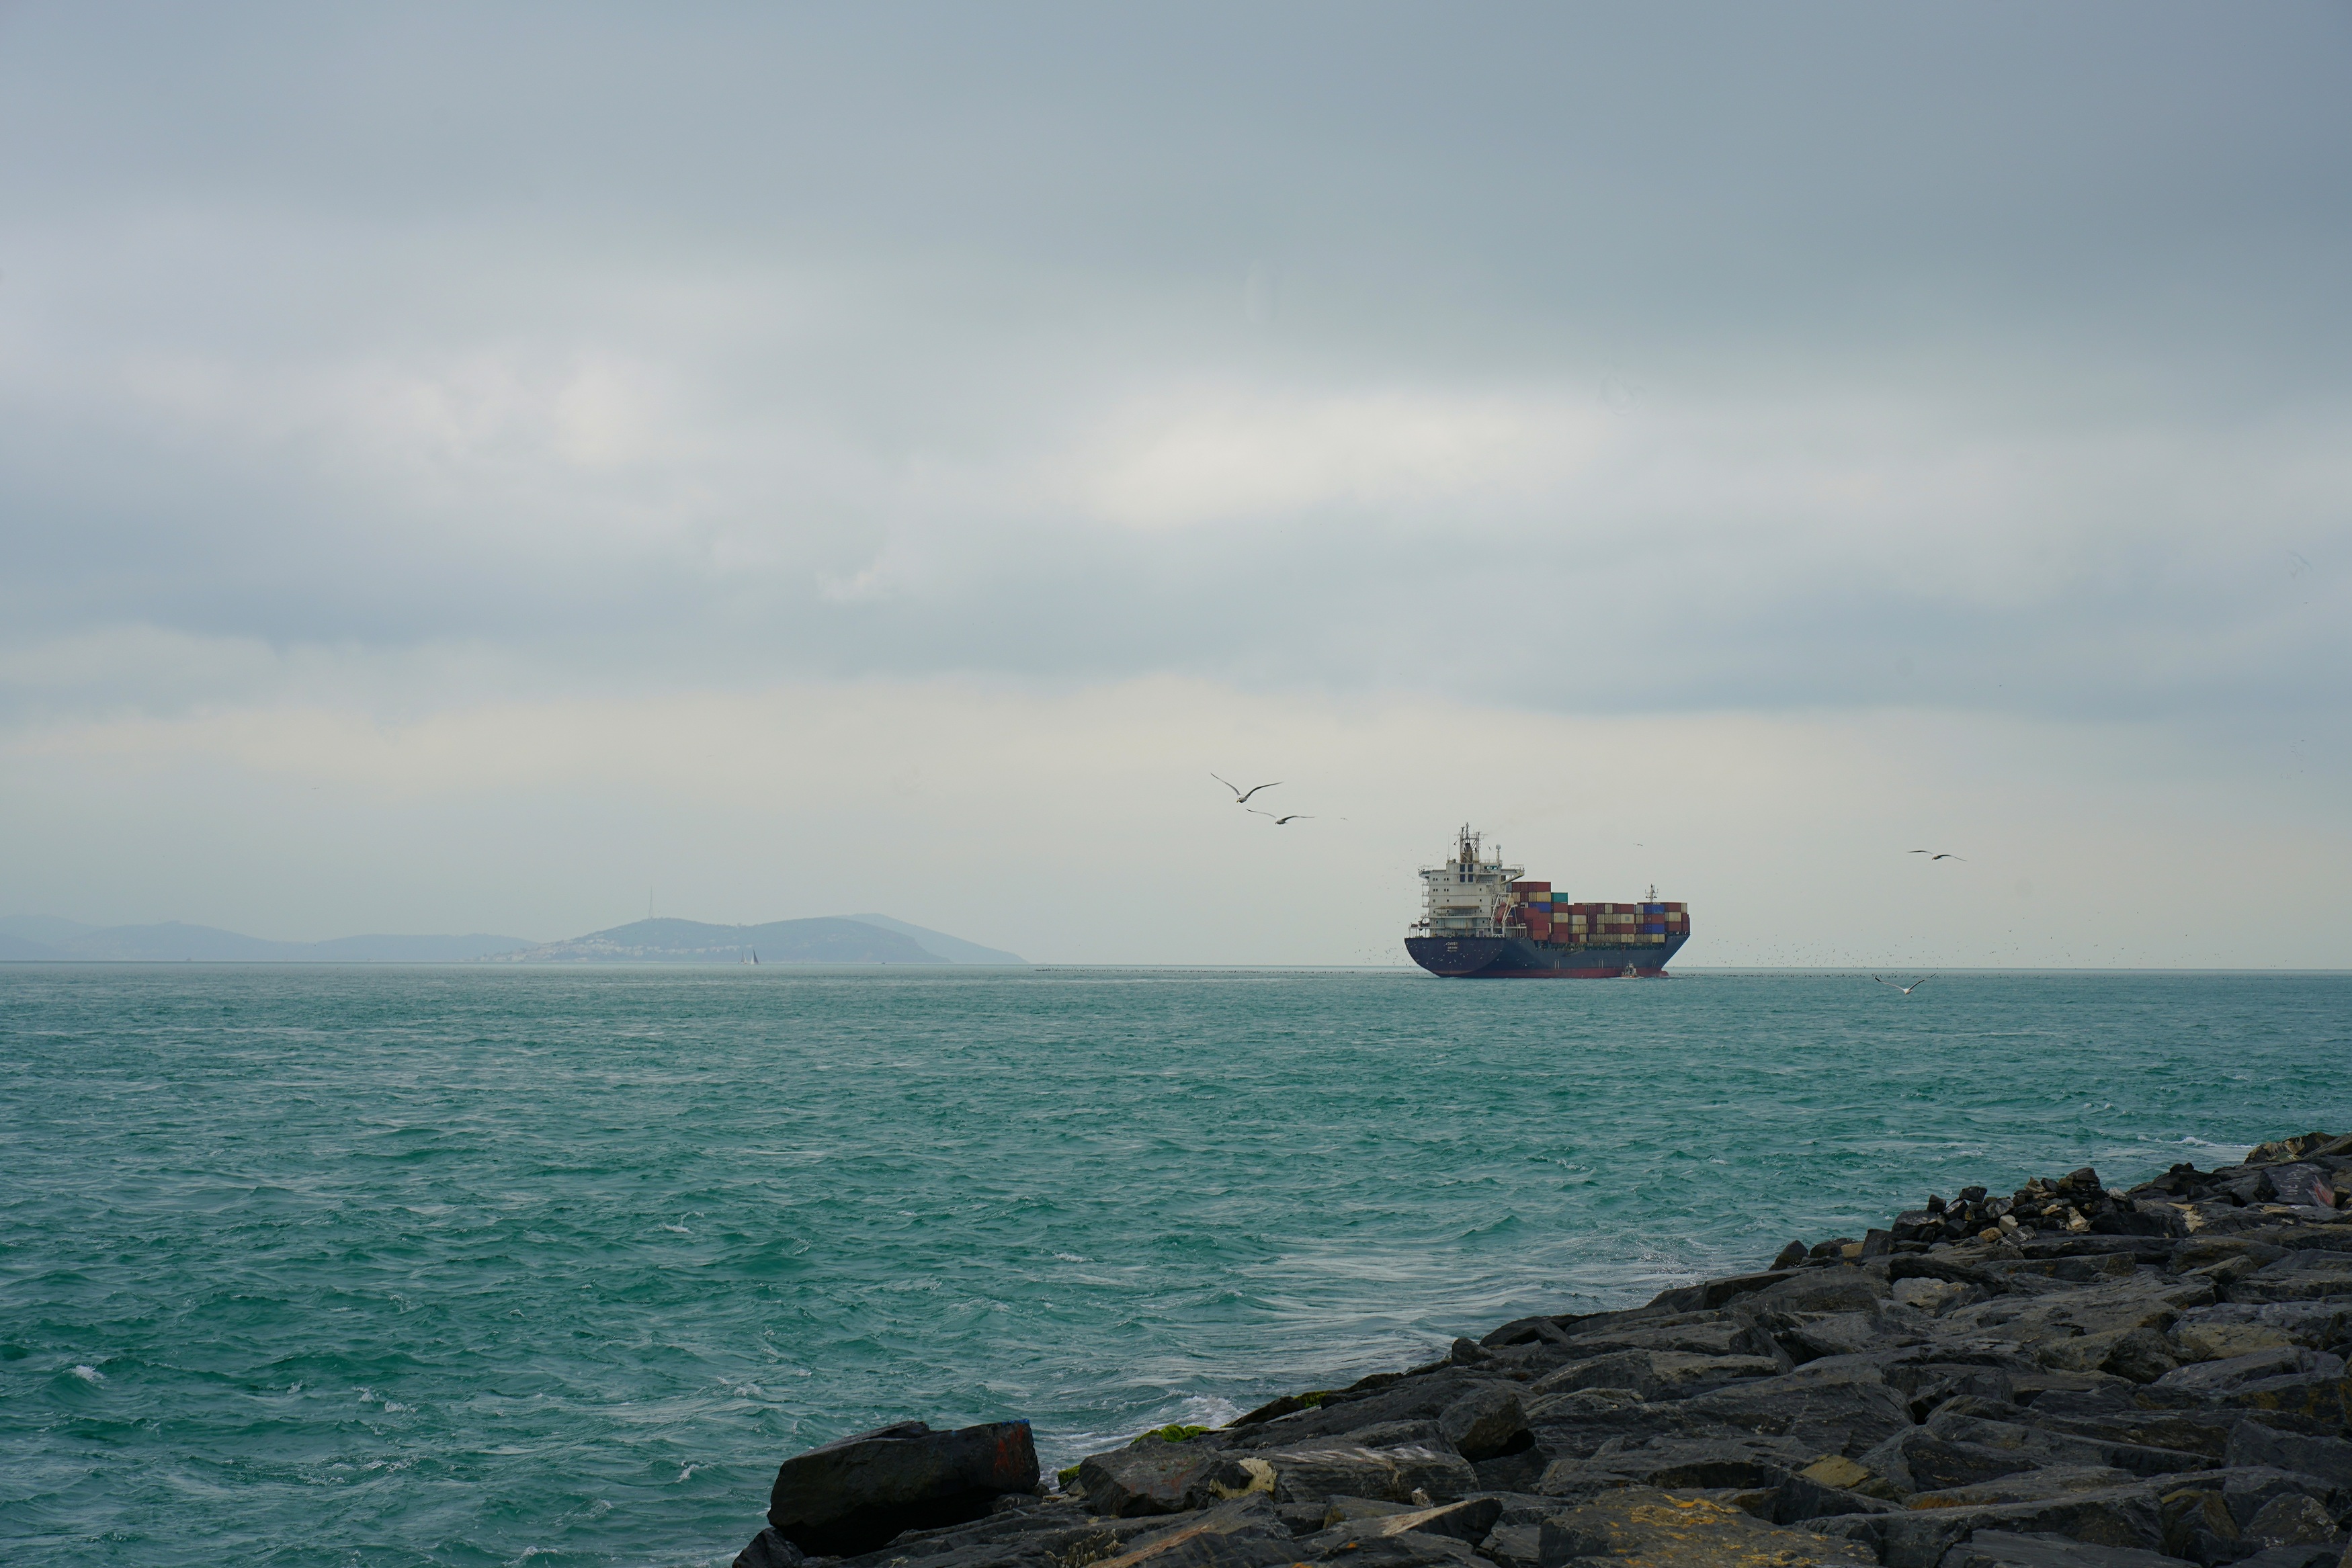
(482, 467)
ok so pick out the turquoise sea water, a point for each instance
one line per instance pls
(456, 1266)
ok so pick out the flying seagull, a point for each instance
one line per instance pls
(1294, 817)
(1906, 990)
(1963, 859)
(1240, 796)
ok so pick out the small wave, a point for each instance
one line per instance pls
(88, 1374)
(1072, 1258)
(681, 1230)
(1210, 1410)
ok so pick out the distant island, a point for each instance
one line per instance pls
(828, 939)
(850, 939)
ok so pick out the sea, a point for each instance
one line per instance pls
(306, 1265)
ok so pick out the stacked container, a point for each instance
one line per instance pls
(1549, 918)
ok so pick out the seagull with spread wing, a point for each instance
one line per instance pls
(1240, 796)
(1931, 854)
(1906, 990)
(1294, 817)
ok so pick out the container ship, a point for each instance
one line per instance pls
(1479, 919)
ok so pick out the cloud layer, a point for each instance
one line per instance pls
(365, 372)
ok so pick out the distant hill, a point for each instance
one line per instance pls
(855, 939)
(825, 940)
(34, 938)
(954, 949)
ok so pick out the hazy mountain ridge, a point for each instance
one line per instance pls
(954, 949)
(824, 939)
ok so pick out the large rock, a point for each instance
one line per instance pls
(2302, 1186)
(2118, 1516)
(2328, 1459)
(1467, 1521)
(2212, 1379)
(2026, 1486)
(2114, 1304)
(1485, 1423)
(1417, 1398)
(1956, 1450)
(1821, 1291)
(1243, 1533)
(1835, 1405)
(2303, 1276)
(854, 1494)
(2292, 1519)
(1314, 1475)
(2007, 1549)
(1658, 1530)
(1692, 1333)
(1153, 1476)
(1673, 1464)
(2202, 1432)
(769, 1550)
(1810, 1337)
(2239, 1328)
(1655, 1373)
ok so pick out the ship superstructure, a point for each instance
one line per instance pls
(1481, 917)
(1470, 894)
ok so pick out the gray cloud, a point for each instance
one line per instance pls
(1692, 360)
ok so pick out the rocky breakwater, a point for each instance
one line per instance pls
(2066, 1377)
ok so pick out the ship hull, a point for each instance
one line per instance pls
(1521, 959)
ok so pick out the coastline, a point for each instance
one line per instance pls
(2037, 1378)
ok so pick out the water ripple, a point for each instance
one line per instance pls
(460, 1267)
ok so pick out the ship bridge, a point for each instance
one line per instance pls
(1469, 894)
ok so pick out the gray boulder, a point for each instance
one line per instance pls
(1314, 1475)
(1486, 1423)
(1246, 1532)
(2292, 1520)
(2306, 1276)
(769, 1550)
(2006, 1549)
(1153, 1476)
(2120, 1516)
(2211, 1379)
(2328, 1459)
(854, 1494)
(1657, 1527)
(1465, 1522)
(1835, 1405)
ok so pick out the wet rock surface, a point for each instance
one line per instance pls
(2068, 1376)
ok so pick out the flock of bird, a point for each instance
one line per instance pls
(1242, 796)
